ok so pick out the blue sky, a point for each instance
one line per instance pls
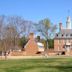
(35, 10)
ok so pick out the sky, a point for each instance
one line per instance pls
(35, 10)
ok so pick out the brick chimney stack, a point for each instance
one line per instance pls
(31, 36)
(60, 26)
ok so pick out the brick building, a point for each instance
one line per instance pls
(33, 47)
(63, 39)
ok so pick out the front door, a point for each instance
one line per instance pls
(67, 48)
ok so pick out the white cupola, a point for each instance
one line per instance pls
(68, 23)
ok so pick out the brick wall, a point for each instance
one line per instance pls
(59, 44)
(31, 47)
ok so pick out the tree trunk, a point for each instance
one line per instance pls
(5, 46)
(46, 50)
(47, 44)
(5, 55)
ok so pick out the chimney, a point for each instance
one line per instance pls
(38, 38)
(31, 36)
(60, 26)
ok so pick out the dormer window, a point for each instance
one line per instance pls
(70, 34)
(62, 35)
(57, 35)
(66, 35)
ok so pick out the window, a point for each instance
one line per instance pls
(62, 35)
(58, 48)
(70, 34)
(63, 41)
(57, 35)
(40, 46)
(59, 41)
(66, 35)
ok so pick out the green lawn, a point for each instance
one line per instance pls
(37, 65)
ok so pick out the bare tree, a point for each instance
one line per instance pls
(16, 28)
(2, 22)
(46, 28)
(11, 29)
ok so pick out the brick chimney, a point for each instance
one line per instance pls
(60, 26)
(31, 36)
(38, 38)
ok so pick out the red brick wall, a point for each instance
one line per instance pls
(59, 44)
(31, 47)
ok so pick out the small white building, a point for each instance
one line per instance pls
(40, 46)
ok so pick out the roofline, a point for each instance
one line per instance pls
(62, 38)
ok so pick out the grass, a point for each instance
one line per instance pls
(37, 65)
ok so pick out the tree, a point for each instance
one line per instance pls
(11, 33)
(17, 27)
(2, 34)
(1, 29)
(47, 29)
(51, 43)
(12, 28)
(22, 42)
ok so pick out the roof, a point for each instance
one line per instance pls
(67, 43)
(40, 44)
(64, 33)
